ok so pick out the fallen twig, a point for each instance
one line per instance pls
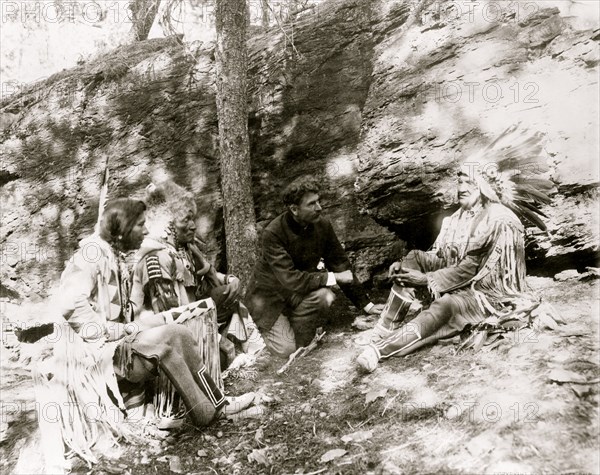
(388, 404)
(300, 352)
(318, 471)
(364, 422)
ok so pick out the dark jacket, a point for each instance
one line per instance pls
(287, 269)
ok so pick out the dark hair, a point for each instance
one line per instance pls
(118, 219)
(293, 193)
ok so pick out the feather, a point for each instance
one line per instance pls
(539, 183)
(530, 165)
(529, 206)
(528, 215)
(510, 168)
(508, 131)
(525, 189)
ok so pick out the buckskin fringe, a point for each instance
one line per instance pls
(502, 293)
(432, 287)
(502, 276)
(204, 330)
(76, 382)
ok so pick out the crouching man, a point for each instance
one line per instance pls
(289, 295)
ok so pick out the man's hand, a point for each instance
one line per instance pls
(411, 278)
(232, 292)
(395, 268)
(376, 309)
(345, 277)
(114, 331)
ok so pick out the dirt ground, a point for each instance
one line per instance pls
(436, 411)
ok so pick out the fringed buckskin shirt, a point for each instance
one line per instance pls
(93, 293)
(490, 277)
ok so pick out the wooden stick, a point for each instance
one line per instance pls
(318, 471)
(300, 352)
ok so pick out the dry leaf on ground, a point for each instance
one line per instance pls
(374, 395)
(332, 455)
(359, 436)
(258, 437)
(175, 464)
(259, 456)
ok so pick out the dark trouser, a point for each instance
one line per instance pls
(299, 325)
(224, 312)
(172, 348)
(226, 324)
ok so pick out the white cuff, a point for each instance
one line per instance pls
(330, 279)
(368, 307)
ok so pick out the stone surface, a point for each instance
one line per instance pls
(567, 275)
(448, 81)
(382, 99)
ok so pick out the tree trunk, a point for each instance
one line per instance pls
(264, 8)
(232, 110)
(143, 13)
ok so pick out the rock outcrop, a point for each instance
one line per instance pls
(453, 77)
(382, 99)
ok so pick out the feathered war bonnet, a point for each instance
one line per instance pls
(511, 170)
(166, 202)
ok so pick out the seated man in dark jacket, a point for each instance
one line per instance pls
(290, 294)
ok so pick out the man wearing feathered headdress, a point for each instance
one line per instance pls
(476, 268)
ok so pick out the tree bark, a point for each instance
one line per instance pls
(264, 9)
(143, 13)
(232, 110)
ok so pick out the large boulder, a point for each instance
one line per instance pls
(383, 100)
